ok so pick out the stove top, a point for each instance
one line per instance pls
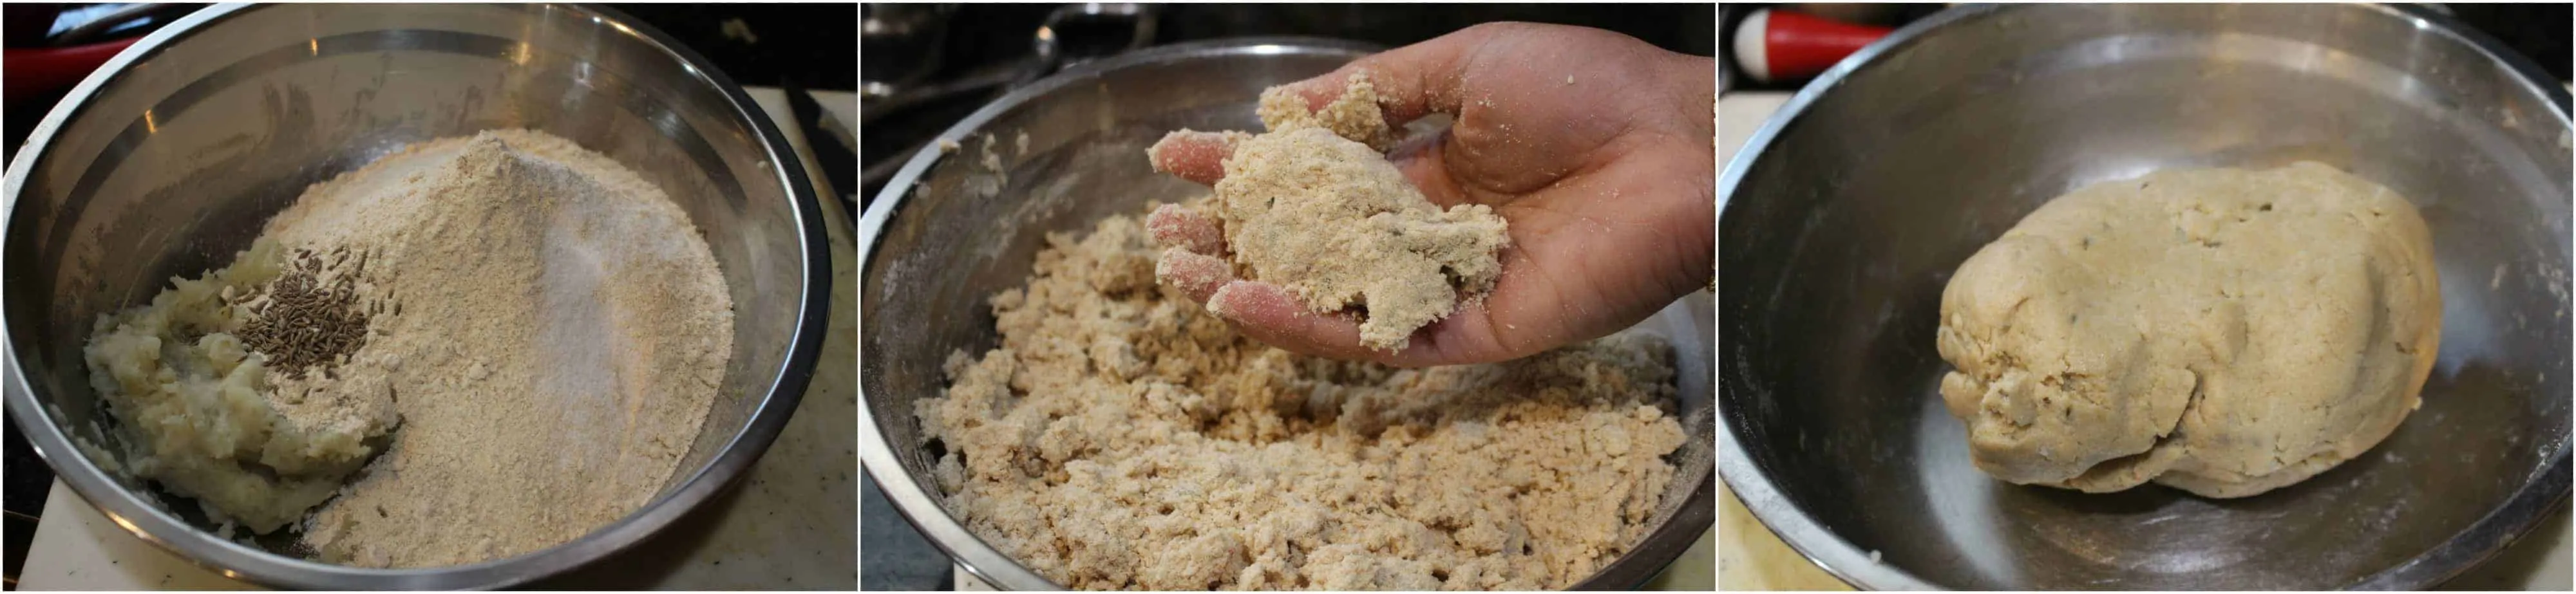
(2538, 31)
(924, 67)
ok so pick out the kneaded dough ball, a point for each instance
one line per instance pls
(2222, 331)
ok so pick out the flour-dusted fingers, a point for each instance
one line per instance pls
(1176, 227)
(1194, 155)
(1193, 251)
(1271, 314)
(1196, 275)
(1525, 315)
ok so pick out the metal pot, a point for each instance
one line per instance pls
(167, 160)
(1843, 218)
(949, 231)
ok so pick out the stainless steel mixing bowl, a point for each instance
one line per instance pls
(167, 160)
(1842, 219)
(949, 231)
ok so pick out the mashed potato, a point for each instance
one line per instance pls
(201, 415)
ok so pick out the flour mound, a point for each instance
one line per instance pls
(562, 335)
(546, 326)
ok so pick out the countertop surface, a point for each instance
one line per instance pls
(1751, 557)
(788, 524)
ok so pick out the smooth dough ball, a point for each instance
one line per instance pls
(2222, 331)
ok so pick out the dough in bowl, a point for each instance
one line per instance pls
(2222, 331)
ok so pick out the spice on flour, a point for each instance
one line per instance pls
(309, 315)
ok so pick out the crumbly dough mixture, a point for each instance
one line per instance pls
(1122, 438)
(1309, 207)
(1353, 115)
(545, 326)
(2222, 331)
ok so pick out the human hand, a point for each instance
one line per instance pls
(1599, 150)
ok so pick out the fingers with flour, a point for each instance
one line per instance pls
(1193, 250)
(1194, 155)
(1273, 315)
(1176, 227)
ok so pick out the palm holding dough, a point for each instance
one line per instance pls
(2226, 332)
(1595, 146)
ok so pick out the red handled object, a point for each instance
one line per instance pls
(1776, 45)
(38, 70)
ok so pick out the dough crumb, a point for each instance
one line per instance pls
(1120, 438)
(1338, 225)
(1353, 115)
(1309, 207)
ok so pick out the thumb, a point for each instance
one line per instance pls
(1411, 81)
(1533, 103)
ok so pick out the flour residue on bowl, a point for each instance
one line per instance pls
(499, 343)
(1119, 437)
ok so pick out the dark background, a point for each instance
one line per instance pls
(810, 44)
(2537, 31)
(976, 37)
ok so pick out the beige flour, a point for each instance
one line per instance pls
(2222, 331)
(1120, 437)
(548, 325)
(1309, 207)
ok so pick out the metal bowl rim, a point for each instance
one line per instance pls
(234, 560)
(2518, 516)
